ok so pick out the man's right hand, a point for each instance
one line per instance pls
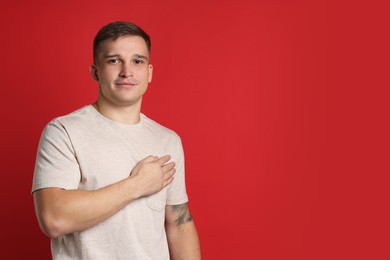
(151, 175)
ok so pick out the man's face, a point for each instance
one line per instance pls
(123, 70)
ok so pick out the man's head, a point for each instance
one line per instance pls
(115, 30)
(121, 64)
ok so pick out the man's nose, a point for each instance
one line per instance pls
(126, 70)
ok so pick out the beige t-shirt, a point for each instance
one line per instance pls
(84, 150)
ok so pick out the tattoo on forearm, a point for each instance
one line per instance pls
(183, 215)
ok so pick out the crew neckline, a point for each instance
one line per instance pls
(110, 121)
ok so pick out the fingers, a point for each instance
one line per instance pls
(150, 158)
(167, 167)
(169, 177)
(161, 160)
(167, 182)
(168, 171)
(164, 159)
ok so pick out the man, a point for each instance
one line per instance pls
(109, 181)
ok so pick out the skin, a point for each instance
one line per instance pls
(123, 72)
(182, 236)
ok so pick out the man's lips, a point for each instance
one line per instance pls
(126, 83)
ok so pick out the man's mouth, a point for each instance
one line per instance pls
(125, 83)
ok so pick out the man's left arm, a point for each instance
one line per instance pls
(181, 232)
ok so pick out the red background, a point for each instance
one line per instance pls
(282, 107)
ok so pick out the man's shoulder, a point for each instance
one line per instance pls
(158, 128)
(75, 119)
(77, 116)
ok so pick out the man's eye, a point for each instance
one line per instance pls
(138, 61)
(114, 61)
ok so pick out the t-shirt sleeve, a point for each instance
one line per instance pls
(177, 189)
(56, 164)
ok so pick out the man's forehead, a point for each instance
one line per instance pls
(126, 40)
(122, 45)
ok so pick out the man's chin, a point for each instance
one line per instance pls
(128, 102)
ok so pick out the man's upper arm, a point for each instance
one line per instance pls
(177, 214)
(56, 163)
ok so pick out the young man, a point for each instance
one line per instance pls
(109, 181)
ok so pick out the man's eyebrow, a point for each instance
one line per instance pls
(111, 56)
(138, 56)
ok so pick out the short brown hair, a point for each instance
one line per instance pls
(115, 30)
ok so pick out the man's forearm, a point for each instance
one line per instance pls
(184, 243)
(62, 212)
(182, 236)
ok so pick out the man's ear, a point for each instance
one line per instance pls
(93, 71)
(150, 73)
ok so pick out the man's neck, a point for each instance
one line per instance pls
(120, 114)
